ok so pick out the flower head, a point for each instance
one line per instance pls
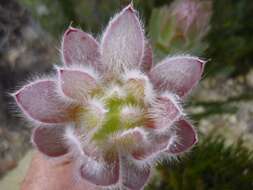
(181, 27)
(109, 109)
(192, 16)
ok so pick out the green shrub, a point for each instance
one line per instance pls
(210, 166)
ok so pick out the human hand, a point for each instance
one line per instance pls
(46, 175)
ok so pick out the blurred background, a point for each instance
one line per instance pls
(220, 31)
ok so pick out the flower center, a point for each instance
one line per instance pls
(115, 108)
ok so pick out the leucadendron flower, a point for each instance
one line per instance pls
(109, 108)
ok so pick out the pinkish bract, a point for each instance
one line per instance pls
(192, 16)
(109, 108)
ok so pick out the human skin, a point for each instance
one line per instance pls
(45, 175)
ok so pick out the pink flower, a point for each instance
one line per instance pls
(109, 109)
(192, 16)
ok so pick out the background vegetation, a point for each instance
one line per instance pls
(230, 39)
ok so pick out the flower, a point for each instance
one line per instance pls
(109, 109)
(181, 27)
(192, 16)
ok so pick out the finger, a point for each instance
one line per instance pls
(44, 175)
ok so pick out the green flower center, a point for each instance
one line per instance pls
(119, 107)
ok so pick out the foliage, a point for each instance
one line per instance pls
(231, 40)
(211, 166)
(89, 15)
